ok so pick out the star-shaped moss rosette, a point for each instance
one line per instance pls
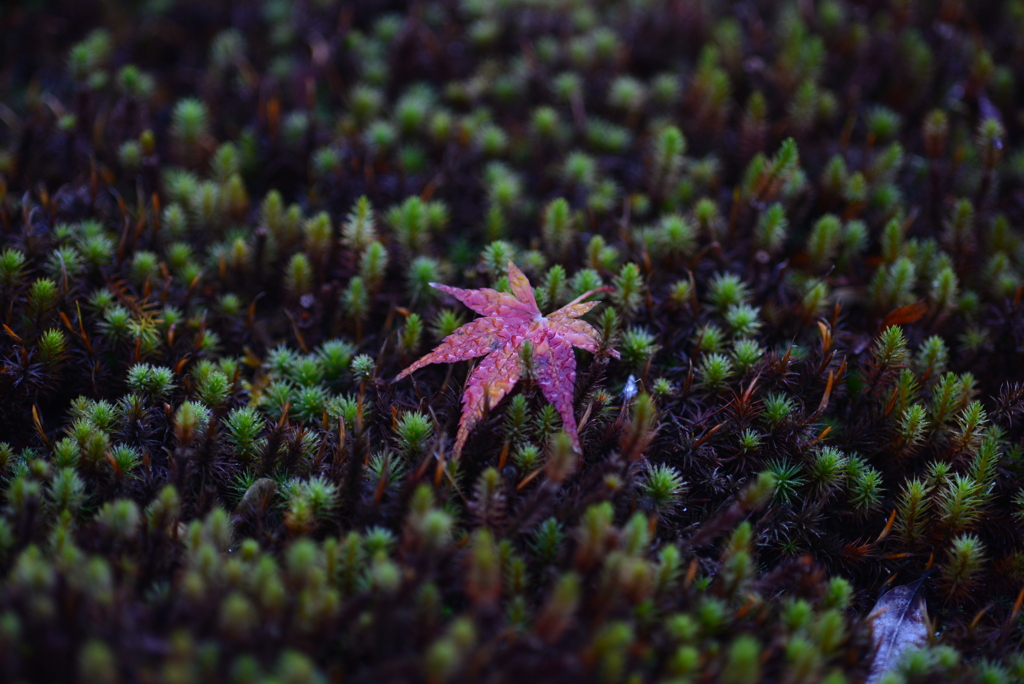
(509, 322)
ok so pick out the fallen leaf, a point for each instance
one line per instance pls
(899, 623)
(908, 313)
(257, 496)
(509, 322)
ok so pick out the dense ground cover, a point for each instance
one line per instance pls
(218, 229)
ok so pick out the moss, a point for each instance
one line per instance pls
(217, 252)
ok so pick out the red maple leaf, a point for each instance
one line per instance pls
(510, 321)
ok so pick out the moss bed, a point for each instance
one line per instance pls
(218, 227)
